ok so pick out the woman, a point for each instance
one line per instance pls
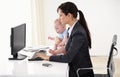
(79, 42)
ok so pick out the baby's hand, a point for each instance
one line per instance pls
(51, 38)
(57, 40)
(52, 51)
(61, 44)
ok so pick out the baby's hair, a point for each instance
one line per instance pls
(58, 21)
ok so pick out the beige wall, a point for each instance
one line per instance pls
(38, 27)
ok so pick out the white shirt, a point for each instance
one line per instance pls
(71, 28)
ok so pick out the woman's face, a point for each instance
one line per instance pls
(63, 18)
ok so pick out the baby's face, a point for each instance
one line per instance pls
(59, 28)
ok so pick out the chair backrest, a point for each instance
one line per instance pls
(110, 64)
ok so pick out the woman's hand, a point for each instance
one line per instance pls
(42, 55)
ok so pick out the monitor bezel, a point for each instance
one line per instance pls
(14, 52)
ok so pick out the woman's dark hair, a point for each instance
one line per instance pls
(69, 7)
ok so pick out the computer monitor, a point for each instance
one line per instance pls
(18, 40)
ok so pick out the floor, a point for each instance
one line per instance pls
(99, 64)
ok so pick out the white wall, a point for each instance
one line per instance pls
(13, 13)
(102, 16)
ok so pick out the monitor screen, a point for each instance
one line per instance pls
(18, 40)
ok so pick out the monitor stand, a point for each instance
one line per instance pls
(18, 57)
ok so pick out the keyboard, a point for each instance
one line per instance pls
(38, 58)
(35, 59)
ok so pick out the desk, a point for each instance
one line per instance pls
(25, 68)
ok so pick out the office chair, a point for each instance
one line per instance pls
(110, 64)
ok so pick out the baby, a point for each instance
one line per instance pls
(61, 39)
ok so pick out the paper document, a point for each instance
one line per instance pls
(28, 54)
(35, 49)
(30, 51)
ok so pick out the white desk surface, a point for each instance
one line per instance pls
(25, 68)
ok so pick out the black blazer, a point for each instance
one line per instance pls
(77, 51)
